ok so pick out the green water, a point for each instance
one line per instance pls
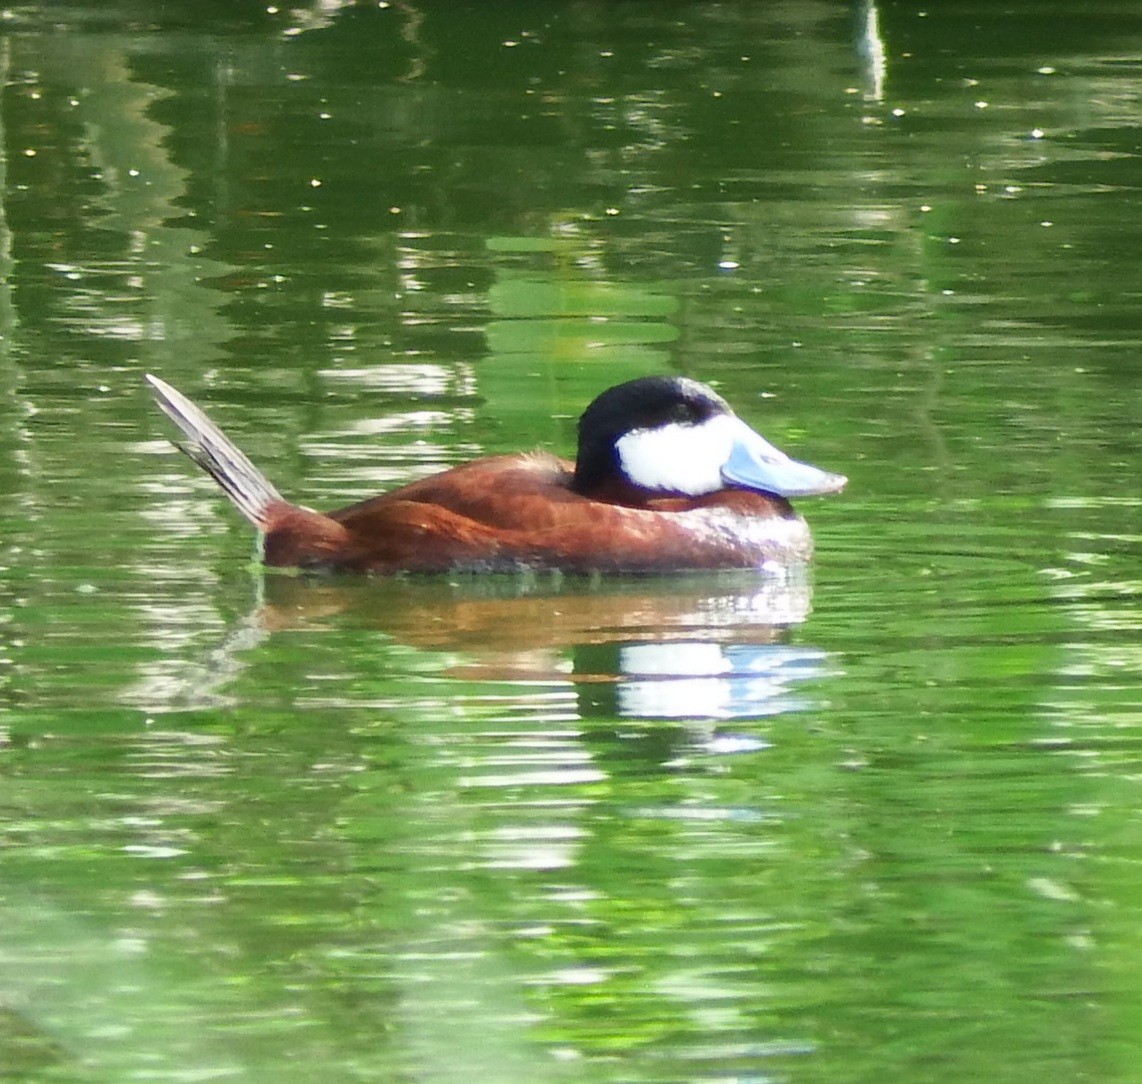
(880, 823)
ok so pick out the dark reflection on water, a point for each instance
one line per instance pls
(689, 830)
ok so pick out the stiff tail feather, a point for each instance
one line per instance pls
(250, 490)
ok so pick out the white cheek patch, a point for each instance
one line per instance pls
(679, 458)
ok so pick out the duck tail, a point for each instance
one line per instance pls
(247, 487)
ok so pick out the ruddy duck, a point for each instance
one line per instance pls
(667, 479)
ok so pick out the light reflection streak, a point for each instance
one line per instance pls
(872, 52)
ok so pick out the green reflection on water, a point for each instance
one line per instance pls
(530, 830)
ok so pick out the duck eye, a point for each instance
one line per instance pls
(683, 413)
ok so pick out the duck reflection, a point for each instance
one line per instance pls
(704, 647)
(708, 647)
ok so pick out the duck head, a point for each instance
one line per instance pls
(672, 435)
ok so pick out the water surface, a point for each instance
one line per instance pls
(875, 820)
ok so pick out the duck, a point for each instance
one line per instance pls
(667, 479)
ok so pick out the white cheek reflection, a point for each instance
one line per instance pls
(673, 681)
(679, 458)
(713, 681)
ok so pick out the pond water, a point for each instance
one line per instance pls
(881, 820)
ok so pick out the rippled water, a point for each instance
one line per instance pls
(873, 820)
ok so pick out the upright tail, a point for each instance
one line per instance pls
(245, 485)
